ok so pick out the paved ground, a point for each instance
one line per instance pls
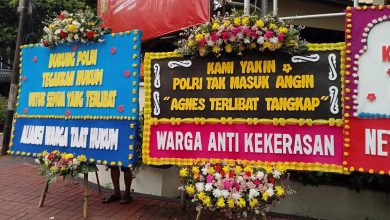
(21, 187)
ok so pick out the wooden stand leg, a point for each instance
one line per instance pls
(199, 214)
(43, 196)
(98, 181)
(85, 207)
(183, 200)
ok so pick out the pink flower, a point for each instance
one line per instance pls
(269, 34)
(257, 182)
(254, 34)
(225, 35)
(226, 184)
(236, 30)
(202, 42)
(210, 179)
(214, 37)
(281, 37)
(246, 31)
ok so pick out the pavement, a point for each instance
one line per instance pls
(21, 186)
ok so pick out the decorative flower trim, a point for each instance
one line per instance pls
(237, 189)
(237, 33)
(83, 26)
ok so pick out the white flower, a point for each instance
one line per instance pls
(239, 178)
(205, 171)
(217, 176)
(208, 187)
(225, 193)
(276, 174)
(260, 40)
(210, 43)
(260, 175)
(217, 193)
(274, 40)
(199, 186)
(247, 40)
(270, 192)
(253, 193)
(236, 196)
(76, 37)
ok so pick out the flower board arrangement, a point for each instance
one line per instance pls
(56, 164)
(236, 189)
(82, 26)
(237, 33)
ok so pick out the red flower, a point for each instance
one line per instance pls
(67, 112)
(248, 174)
(223, 173)
(272, 180)
(45, 43)
(127, 73)
(61, 16)
(113, 50)
(231, 174)
(90, 35)
(371, 97)
(218, 168)
(63, 34)
(121, 108)
(50, 156)
(35, 59)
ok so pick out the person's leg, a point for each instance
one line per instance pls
(115, 173)
(126, 198)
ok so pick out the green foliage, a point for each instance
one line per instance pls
(3, 111)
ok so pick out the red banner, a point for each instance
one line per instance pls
(369, 148)
(153, 17)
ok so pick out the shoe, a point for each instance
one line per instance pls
(111, 198)
(126, 198)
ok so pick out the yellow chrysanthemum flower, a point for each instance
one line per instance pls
(237, 21)
(190, 43)
(190, 189)
(230, 203)
(198, 37)
(241, 203)
(279, 190)
(254, 202)
(226, 23)
(82, 158)
(260, 23)
(72, 28)
(183, 172)
(226, 168)
(248, 169)
(45, 153)
(195, 169)
(265, 196)
(216, 49)
(267, 44)
(201, 195)
(283, 30)
(272, 26)
(228, 49)
(211, 170)
(268, 169)
(207, 201)
(215, 26)
(69, 156)
(245, 20)
(238, 170)
(63, 155)
(221, 202)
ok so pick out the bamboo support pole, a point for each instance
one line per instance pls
(44, 192)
